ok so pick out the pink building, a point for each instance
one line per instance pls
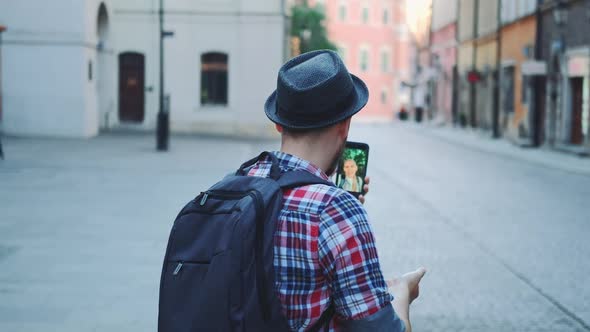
(443, 46)
(372, 39)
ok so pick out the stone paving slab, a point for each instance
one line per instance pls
(84, 224)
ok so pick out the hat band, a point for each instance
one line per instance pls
(309, 117)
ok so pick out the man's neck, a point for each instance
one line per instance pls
(320, 159)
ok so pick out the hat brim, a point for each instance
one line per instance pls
(358, 102)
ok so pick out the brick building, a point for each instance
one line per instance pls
(443, 47)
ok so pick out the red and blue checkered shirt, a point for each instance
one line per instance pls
(324, 249)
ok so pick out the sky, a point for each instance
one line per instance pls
(417, 15)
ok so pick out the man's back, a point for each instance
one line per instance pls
(324, 251)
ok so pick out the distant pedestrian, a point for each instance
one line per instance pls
(321, 261)
(403, 113)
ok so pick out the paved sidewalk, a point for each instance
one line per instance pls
(481, 141)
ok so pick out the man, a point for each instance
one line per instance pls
(324, 251)
(351, 181)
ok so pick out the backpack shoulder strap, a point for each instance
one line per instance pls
(300, 178)
(324, 320)
(274, 169)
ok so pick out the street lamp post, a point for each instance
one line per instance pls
(163, 123)
(560, 14)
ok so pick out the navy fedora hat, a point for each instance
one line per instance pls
(315, 90)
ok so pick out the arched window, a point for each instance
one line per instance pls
(214, 78)
(102, 21)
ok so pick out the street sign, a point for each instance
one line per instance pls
(532, 67)
(473, 76)
(577, 66)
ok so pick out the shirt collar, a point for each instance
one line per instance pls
(289, 162)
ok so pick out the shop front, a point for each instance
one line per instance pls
(574, 122)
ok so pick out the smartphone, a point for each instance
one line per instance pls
(352, 168)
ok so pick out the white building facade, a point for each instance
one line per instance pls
(74, 68)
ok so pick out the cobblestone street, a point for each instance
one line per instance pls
(503, 231)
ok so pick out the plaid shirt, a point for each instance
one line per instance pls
(324, 248)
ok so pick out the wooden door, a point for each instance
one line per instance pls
(577, 84)
(131, 87)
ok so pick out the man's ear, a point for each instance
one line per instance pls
(279, 128)
(343, 128)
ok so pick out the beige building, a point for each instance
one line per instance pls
(89, 65)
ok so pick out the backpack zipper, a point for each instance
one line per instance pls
(177, 269)
(182, 263)
(223, 194)
(204, 199)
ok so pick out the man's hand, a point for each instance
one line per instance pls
(408, 284)
(365, 190)
(405, 290)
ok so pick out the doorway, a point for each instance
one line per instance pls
(131, 87)
(577, 86)
(538, 114)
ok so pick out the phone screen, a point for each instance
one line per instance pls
(352, 168)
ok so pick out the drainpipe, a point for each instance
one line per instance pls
(496, 110)
(537, 116)
(472, 87)
(2, 29)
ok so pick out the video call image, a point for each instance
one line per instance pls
(352, 169)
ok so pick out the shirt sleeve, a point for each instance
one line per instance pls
(383, 320)
(348, 256)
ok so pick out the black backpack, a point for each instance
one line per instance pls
(218, 272)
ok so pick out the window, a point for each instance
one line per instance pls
(342, 51)
(385, 16)
(525, 89)
(214, 79)
(321, 6)
(508, 88)
(342, 11)
(527, 7)
(384, 96)
(365, 14)
(89, 70)
(364, 60)
(385, 57)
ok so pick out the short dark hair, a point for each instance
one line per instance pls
(294, 132)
